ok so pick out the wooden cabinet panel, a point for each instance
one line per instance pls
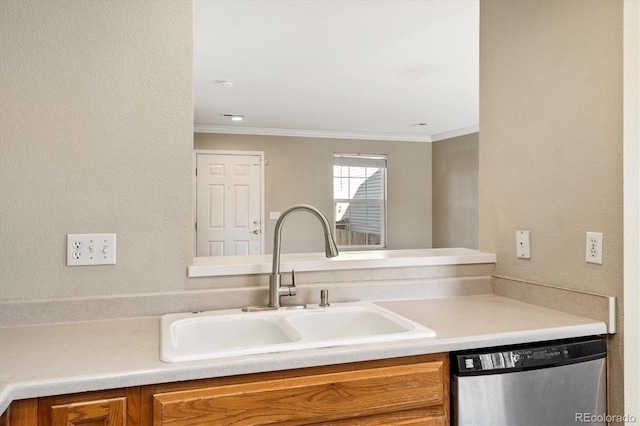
(422, 417)
(106, 412)
(21, 413)
(400, 391)
(389, 394)
(119, 407)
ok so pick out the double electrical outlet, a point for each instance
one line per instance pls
(594, 248)
(91, 249)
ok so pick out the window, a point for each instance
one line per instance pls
(359, 196)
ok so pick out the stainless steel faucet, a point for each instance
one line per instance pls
(276, 289)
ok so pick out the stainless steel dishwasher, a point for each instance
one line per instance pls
(560, 382)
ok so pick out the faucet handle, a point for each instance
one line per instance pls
(292, 288)
(324, 298)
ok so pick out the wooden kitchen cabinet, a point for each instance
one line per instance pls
(120, 407)
(400, 391)
(412, 390)
(21, 413)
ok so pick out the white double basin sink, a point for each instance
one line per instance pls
(229, 333)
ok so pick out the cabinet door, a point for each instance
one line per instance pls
(105, 412)
(21, 413)
(105, 408)
(385, 392)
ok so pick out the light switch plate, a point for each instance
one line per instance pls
(523, 244)
(91, 249)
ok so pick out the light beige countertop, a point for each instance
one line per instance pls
(52, 359)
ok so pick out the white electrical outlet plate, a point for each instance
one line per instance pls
(594, 248)
(91, 249)
(523, 244)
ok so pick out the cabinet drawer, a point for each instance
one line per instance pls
(313, 398)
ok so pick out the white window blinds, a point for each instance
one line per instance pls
(359, 192)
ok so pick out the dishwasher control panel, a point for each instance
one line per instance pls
(526, 357)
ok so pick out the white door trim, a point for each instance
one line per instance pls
(228, 152)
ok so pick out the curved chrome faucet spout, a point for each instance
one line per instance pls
(276, 290)
(330, 247)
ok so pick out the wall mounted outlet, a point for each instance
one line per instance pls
(523, 244)
(594, 248)
(91, 249)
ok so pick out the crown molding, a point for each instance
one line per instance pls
(203, 128)
(455, 133)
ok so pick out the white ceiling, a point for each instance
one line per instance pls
(369, 69)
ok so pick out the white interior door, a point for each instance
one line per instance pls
(228, 204)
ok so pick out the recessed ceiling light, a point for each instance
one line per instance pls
(233, 117)
(226, 83)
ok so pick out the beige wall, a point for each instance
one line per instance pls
(551, 144)
(299, 171)
(96, 136)
(455, 192)
(632, 205)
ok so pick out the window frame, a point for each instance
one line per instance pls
(382, 202)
